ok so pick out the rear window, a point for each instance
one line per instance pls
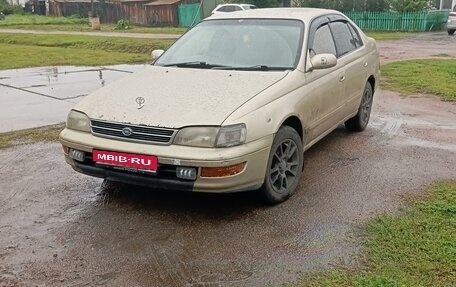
(248, 7)
(229, 8)
(345, 43)
(356, 37)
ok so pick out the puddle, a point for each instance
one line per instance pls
(65, 82)
(34, 97)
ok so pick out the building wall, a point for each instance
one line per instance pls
(135, 12)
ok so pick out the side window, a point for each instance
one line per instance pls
(237, 8)
(343, 38)
(323, 42)
(358, 41)
(222, 9)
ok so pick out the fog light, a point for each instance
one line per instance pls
(186, 172)
(76, 154)
(222, 170)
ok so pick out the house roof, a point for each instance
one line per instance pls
(161, 2)
(126, 1)
(152, 3)
(75, 1)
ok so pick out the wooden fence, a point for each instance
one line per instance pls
(140, 12)
(406, 21)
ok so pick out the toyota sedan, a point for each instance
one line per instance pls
(231, 106)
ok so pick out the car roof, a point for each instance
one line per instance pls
(231, 4)
(303, 14)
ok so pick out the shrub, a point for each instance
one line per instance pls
(122, 25)
(6, 8)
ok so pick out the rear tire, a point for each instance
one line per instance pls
(284, 166)
(451, 32)
(359, 122)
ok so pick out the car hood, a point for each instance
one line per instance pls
(176, 97)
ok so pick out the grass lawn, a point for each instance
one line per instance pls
(47, 23)
(379, 35)
(437, 77)
(26, 50)
(414, 248)
(42, 134)
(16, 19)
(20, 56)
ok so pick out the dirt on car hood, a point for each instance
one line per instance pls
(176, 97)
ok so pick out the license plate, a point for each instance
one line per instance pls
(128, 160)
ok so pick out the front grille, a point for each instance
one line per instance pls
(138, 133)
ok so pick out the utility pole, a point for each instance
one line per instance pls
(93, 8)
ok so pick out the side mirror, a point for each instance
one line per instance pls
(323, 61)
(156, 53)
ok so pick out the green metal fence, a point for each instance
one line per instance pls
(406, 21)
(189, 14)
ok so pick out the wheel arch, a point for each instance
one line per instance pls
(295, 123)
(372, 82)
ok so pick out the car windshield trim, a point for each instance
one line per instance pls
(255, 68)
(195, 64)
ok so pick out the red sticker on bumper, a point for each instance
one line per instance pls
(138, 161)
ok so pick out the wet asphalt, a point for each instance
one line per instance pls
(60, 228)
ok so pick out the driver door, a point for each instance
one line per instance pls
(324, 101)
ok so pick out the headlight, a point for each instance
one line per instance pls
(78, 121)
(225, 136)
(231, 135)
(197, 136)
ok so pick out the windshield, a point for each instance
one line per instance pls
(238, 43)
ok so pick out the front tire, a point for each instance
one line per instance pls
(359, 122)
(284, 166)
(451, 32)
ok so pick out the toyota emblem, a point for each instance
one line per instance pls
(127, 132)
(140, 101)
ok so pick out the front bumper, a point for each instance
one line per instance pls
(255, 154)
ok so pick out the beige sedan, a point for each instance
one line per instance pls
(230, 106)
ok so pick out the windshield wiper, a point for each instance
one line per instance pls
(255, 68)
(194, 64)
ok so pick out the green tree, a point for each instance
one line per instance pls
(346, 5)
(408, 5)
(258, 3)
(376, 5)
(265, 3)
(6, 8)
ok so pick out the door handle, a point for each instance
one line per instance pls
(341, 78)
(365, 64)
